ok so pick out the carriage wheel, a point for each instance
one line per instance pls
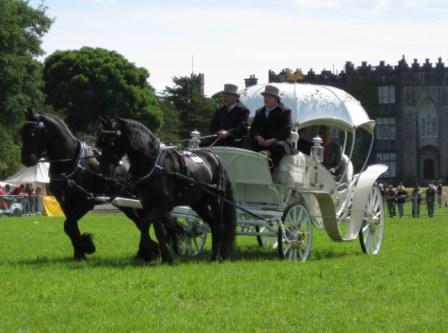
(372, 230)
(295, 233)
(266, 241)
(193, 242)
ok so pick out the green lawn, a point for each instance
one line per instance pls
(403, 289)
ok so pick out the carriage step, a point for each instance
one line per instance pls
(263, 234)
(257, 223)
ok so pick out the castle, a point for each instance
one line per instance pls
(409, 103)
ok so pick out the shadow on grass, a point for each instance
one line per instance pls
(251, 253)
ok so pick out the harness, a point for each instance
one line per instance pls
(69, 178)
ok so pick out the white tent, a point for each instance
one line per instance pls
(37, 174)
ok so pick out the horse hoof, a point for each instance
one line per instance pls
(168, 261)
(217, 259)
(87, 244)
(80, 257)
(144, 257)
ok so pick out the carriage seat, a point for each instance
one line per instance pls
(291, 170)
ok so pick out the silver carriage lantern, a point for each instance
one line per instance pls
(317, 151)
(195, 139)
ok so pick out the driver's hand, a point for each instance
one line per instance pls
(223, 134)
(260, 140)
(269, 142)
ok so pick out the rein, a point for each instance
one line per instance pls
(156, 166)
(78, 159)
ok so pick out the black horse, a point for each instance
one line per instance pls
(165, 178)
(75, 180)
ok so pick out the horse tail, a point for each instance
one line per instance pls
(229, 218)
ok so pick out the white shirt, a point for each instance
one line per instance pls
(268, 110)
(231, 107)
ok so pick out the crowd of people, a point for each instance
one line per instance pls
(26, 194)
(396, 198)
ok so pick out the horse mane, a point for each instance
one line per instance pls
(59, 122)
(138, 135)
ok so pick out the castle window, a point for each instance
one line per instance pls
(386, 129)
(386, 95)
(389, 159)
(428, 120)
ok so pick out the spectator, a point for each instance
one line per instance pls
(7, 189)
(391, 199)
(439, 193)
(381, 188)
(402, 196)
(416, 198)
(20, 190)
(431, 198)
(38, 198)
(3, 204)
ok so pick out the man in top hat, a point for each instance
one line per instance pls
(332, 151)
(271, 126)
(230, 121)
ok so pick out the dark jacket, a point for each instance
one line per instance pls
(235, 122)
(277, 125)
(304, 146)
(430, 194)
(391, 196)
(402, 195)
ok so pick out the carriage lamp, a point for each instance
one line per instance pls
(317, 150)
(195, 139)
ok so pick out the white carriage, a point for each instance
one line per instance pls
(282, 209)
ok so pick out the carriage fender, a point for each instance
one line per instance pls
(364, 184)
(362, 189)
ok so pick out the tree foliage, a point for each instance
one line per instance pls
(194, 109)
(21, 30)
(92, 82)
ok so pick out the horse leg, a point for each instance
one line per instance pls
(204, 210)
(147, 249)
(82, 244)
(159, 228)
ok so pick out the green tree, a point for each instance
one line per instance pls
(21, 30)
(170, 131)
(92, 82)
(194, 109)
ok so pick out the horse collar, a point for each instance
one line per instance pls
(156, 166)
(79, 157)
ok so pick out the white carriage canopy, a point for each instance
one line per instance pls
(313, 104)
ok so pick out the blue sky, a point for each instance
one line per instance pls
(232, 39)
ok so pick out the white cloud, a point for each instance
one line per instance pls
(320, 3)
(381, 5)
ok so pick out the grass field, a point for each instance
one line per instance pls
(403, 289)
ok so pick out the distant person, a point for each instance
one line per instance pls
(332, 151)
(304, 145)
(3, 204)
(231, 120)
(271, 127)
(439, 193)
(29, 199)
(416, 199)
(431, 199)
(381, 188)
(38, 200)
(391, 200)
(19, 190)
(402, 196)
